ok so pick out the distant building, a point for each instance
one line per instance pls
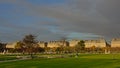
(115, 42)
(96, 43)
(55, 44)
(72, 43)
(11, 45)
(90, 43)
(42, 44)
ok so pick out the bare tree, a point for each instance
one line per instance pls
(62, 47)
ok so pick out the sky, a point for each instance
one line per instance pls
(55, 19)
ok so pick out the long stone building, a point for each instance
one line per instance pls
(115, 42)
(72, 43)
(100, 43)
(54, 44)
(90, 43)
(42, 44)
(11, 45)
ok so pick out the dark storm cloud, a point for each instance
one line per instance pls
(99, 17)
(105, 16)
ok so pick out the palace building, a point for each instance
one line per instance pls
(11, 45)
(55, 44)
(96, 43)
(72, 43)
(115, 42)
(42, 44)
(88, 43)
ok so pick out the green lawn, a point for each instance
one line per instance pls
(83, 61)
(7, 57)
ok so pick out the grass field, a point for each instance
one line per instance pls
(83, 61)
(7, 57)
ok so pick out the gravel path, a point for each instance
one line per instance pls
(14, 60)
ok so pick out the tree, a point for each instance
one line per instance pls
(80, 46)
(64, 43)
(68, 49)
(40, 49)
(63, 46)
(47, 49)
(60, 49)
(2, 47)
(93, 49)
(30, 44)
(20, 47)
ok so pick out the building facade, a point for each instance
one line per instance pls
(72, 43)
(88, 43)
(11, 45)
(55, 44)
(42, 44)
(100, 43)
(115, 42)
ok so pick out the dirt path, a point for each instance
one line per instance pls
(14, 60)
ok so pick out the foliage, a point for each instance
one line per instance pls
(2, 47)
(80, 46)
(20, 47)
(60, 49)
(30, 44)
